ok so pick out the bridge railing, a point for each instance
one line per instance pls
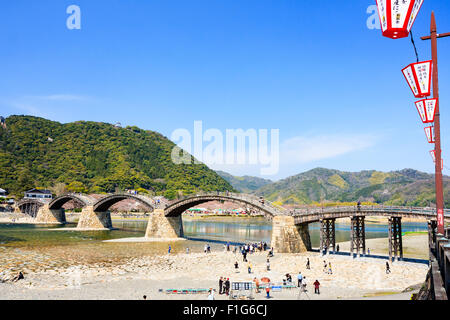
(393, 209)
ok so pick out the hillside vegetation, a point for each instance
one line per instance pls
(95, 157)
(405, 187)
(245, 184)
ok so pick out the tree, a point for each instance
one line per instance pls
(77, 187)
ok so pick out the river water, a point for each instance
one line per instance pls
(240, 230)
(36, 248)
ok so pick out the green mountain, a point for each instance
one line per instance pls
(95, 157)
(245, 184)
(405, 187)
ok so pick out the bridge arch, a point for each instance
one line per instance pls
(177, 207)
(107, 202)
(30, 206)
(60, 201)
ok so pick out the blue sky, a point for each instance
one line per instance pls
(332, 86)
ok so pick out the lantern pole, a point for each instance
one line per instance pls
(437, 125)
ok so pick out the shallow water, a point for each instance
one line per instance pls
(38, 247)
(236, 230)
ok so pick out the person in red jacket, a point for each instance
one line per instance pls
(316, 287)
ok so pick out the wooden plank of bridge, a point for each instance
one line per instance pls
(438, 284)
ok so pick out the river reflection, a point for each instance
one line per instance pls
(259, 229)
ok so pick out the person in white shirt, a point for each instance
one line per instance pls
(211, 294)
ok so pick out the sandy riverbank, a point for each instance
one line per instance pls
(132, 278)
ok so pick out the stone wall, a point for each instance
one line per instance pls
(91, 220)
(160, 226)
(50, 216)
(288, 237)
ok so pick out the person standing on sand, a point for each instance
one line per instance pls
(268, 265)
(268, 291)
(368, 251)
(307, 264)
(316, 287)
(236, 267)
(187, 250)
(227, 286)
(324, 266)
(329, 269)
(170, 249)
(256, 281)
(211, 294)
(206, 248)
(299, 279)
(220, 285)
(388, 269)
(249, 266)
(337, 248)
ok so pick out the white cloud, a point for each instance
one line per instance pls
(304, 149)
(60, 97)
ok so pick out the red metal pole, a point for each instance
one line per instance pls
(437, 131)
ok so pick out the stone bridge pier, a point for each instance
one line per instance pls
(287, 237)
(93, 220)
(46, 215)
(161, 227)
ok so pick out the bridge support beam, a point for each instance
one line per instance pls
(92, 220)
(358, 236)
(395, 238)
(161, 227)
(287, 237)
(327, 235)
(432, 225)
(46, 215)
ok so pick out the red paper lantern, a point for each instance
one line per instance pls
(426, 109)
(433, 155)
(429, 131)
(418, 76)
(397, 16)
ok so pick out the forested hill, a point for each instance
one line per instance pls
(246, 184)
(404, 187)
(94, 157)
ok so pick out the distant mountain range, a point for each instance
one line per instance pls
(245, 184)
(405, 187)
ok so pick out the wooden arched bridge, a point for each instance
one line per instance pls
(290, 228)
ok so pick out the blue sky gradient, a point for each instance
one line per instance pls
(315, 71)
